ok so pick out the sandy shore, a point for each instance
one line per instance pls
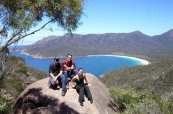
(142, 61)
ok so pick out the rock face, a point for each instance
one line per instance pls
(38, 98)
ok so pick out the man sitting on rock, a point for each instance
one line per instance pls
(56, 76)
(69, 68)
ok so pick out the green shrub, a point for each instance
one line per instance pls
(170, 104)
(133, 102)
(6, 104)
(22, 68)
(125, 98)
(16, 84)
(16, 59)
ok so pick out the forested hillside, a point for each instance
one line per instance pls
(155, 77)
(158, 46)
(142, 89)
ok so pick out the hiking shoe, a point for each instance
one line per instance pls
(63, 93)
(58, 87)
(91, 100)
(81, 103)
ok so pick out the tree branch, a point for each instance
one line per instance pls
(9, 42)
(36, 30)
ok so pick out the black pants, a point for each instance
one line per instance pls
(83, 90)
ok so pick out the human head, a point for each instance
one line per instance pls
(69, 57)
(80, 71)
(56, 60)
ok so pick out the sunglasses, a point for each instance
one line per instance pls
(56, 59)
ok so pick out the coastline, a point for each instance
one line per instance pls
(142, 61)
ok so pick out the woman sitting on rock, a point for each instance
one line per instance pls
(82, 87)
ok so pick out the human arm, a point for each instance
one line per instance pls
(55, 70)
(64, 65)
(60, 73)
(73, 66)
(51, 74)
(60, 70)
(73, 81)
(86, 81)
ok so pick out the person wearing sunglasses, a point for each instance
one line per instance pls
(57, 78)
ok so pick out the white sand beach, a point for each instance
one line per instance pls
(142, 61)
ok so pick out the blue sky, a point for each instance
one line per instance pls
(152, 17)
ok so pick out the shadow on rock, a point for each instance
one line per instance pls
(34, 102)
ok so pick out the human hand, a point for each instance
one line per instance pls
(87, 84)
(67, 68)
(73, 86)
(55, 78)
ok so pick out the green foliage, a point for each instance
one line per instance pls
(133, 102)
(6, 104)
(170, 105)
(1, 84)
(146, 85)
(156, 77)
(16, 84)
(22, 68)
(18, 17)
(127, 98)
(16, 59)
(19, 75)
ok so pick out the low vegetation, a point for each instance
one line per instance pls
(142, 89)
(143, 102)
(16, 80)
(156, 77)
(6, 104)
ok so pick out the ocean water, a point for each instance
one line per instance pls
(96, 65)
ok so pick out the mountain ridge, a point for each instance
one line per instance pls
(81, 45)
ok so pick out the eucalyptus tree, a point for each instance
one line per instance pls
(18, 17)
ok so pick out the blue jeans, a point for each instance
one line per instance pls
(62, 81)
(70, 74)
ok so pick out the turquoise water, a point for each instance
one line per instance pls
(96, 65)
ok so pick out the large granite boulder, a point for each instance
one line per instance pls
(38, 98)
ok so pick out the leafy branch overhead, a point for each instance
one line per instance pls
(17, 17)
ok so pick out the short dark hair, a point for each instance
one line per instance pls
(56, 58)
(69, 55)
(80, 69)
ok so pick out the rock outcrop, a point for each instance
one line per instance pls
(38, 98)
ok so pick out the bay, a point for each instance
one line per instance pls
(97, 64)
